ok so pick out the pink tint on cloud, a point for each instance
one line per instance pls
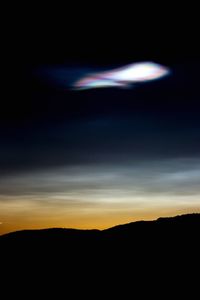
(124, 76)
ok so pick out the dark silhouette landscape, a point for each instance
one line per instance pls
(139, 255)
(171, 233)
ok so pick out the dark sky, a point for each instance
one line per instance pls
(82, 148)
(45, 124)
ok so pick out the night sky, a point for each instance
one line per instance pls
(99, 157)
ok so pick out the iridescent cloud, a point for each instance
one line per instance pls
(123, 77)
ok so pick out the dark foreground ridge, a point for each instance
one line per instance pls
(162, 253)
(163, 231)
(168, 235)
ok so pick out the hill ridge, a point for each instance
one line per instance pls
(119, 226)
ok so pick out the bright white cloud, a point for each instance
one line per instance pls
(122, 77)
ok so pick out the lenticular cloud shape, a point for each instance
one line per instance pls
(122, 77)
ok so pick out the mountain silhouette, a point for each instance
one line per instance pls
(180, 228)
(163, 253)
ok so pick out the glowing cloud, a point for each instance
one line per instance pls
(123, 77)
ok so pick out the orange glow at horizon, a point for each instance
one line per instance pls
(89, 219)
(98, 197)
